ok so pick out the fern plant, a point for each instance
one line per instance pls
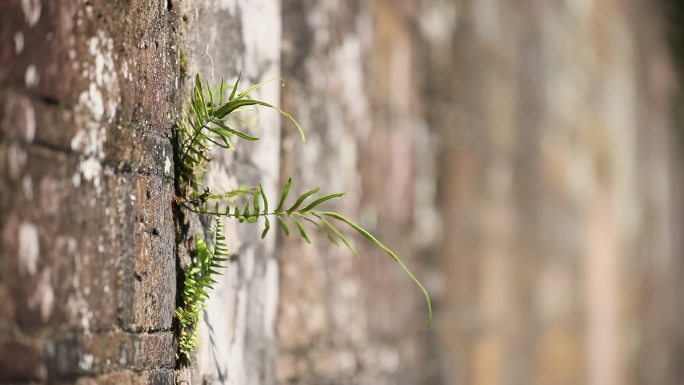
(207, 122)
(198, 279)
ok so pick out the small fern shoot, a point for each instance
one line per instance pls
(199, 279)
(204, 123)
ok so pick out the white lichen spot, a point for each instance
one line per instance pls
(18, 42)
(124, 71)
(90, 168)
(92, 99)
(438, 21)
(123, 357)
(29, 248)
(76, 179)
(102, 96)
(167, 165)
(27, 186)
(31, 77)
(90, 143)
(86, 362)
(44, 296)
(31, 10)
(30, 117)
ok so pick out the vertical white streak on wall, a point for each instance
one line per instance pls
(238, 338)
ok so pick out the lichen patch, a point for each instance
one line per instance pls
(18, 42)
(31, 10)
(31, 77)
(44, 296)
(29, 248)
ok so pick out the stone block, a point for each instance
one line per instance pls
(109, 352)
(22, 361)
(154, 285)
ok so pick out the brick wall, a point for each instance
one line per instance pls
(86, 290)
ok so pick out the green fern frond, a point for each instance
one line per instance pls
(199, 278)
(256, 207)
(205, 122)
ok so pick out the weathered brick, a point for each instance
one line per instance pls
(21, 361)
(75, 274)
(40, 63)
(154, 287)
(107, 352)
(128, 377)
(157, 350)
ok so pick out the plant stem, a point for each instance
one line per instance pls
(231, 215)
(191, 139)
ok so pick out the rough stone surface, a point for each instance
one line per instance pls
(87, 95)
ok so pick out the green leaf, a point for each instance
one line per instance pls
(211, 97)
(323, 229)
(256, 204)
(257, 86)
(302, 232)
(389, 252)
(301, 199)
(321, 200)
(339, 235)
(245, 210)
(221, 90)
(283, 196)
(235, 87)
(235, 104)
(283, 224)
(267, 226)
(263, 196)
(199, 95)
(291, 119)
(223, 128)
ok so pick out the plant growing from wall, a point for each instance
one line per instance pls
(206, 122)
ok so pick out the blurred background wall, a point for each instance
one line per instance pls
(522, 157)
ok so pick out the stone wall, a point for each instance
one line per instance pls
(521, 158)
(88, 93)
